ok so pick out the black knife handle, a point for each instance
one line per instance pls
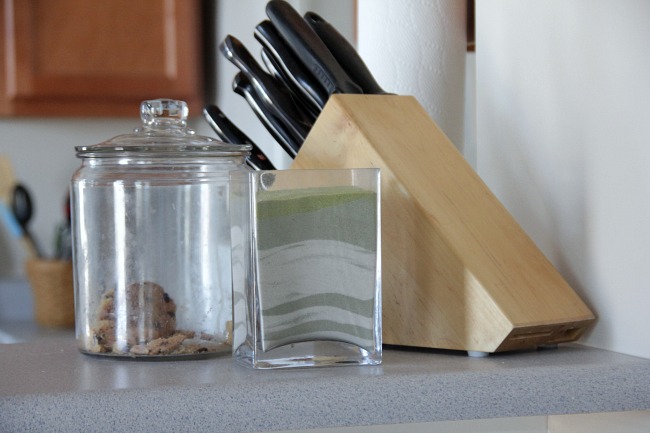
(243, 87)
(266, 87)
(299, 78)
(228, 132)
(309, 48)
(344, 53)
(302, 101)
(225, 129)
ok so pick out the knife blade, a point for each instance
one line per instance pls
(299, 79)
(344, 53)
(243, 87)
(275, 98)
(230, 133)
(309, 48)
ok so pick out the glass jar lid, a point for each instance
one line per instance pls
(164, 133)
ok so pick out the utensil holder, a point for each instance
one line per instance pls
(53, 290)
(458, 272)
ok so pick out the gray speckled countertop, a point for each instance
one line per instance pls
(46, 384)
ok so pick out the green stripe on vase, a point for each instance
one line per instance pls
(335, 300)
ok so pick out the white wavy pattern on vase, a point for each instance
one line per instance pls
(317, 290)
(418, 47)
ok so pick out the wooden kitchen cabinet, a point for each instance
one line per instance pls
(97, 57)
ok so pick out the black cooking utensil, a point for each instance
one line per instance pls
(22, 207)
(242, 86)
(344, 53)
(298, 78)
(63, 235)
(309, 48)
(230, 133)
(275, 98)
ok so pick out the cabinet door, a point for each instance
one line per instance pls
(98, 57)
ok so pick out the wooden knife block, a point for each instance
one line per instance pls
(458, 272)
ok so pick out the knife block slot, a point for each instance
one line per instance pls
(458, 272)
(542, 335)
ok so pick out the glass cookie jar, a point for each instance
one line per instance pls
(151, 231)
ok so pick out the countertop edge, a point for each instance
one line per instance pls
(405, 395)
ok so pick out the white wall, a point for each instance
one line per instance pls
(563, 139)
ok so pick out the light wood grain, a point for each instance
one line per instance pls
(7, 179)
(458, 270)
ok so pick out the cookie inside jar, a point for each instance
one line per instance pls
(140, 321)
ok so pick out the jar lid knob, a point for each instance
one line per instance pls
(164, 112)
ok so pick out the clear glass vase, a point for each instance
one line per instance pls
(306, 268)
